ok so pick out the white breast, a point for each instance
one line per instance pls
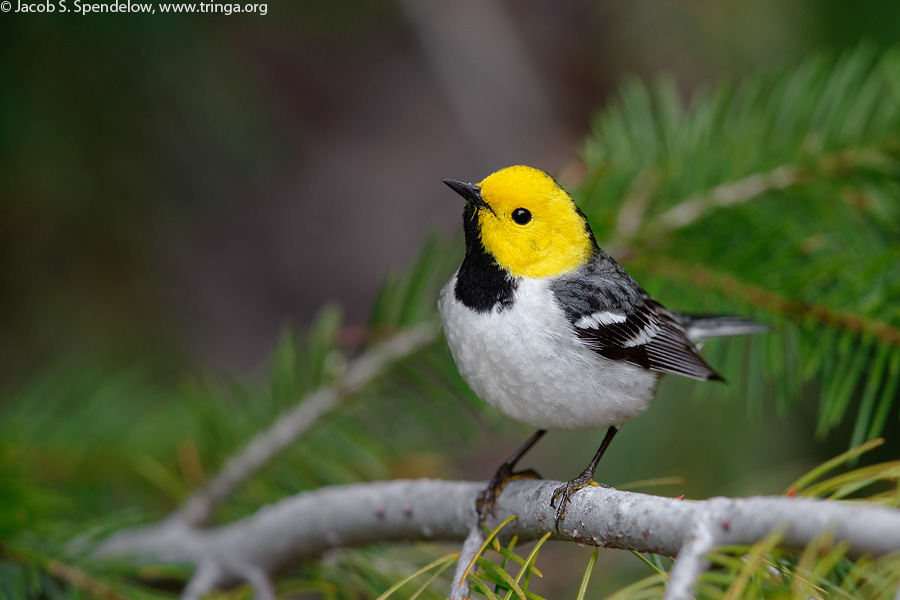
(526, 361)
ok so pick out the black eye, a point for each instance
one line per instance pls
(521, 216)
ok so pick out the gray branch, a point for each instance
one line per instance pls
(477, 42)
(729, 194)
(291, 425)
(633, 220)
(691, 561)
(459, 587)
(304, 526)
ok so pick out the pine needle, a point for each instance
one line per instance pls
(755, 559)
(484, 545)
(806, 480)
(650, 564)
(582, 589)
(444, 561)
(529, 561)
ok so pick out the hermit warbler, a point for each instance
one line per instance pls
(547, 328)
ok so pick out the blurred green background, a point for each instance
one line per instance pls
(175, 189)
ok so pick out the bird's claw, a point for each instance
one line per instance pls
(564, 493)
(487, 499)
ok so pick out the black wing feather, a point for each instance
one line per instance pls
(637, 330)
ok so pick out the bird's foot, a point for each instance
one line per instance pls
(563, 494)
(487, 499)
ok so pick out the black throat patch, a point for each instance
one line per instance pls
(480, 283)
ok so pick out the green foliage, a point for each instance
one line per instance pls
(763, 570)
(410, 297)
(75, 428)
(777, 197)
(781, 194)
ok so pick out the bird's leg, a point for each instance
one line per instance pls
(487, 499)
(564, 493)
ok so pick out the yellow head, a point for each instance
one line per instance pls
(528, 223)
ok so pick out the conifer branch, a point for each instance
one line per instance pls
(757, 296)
(734, 193)
(287, 428)
(632, 214)
(82, 581)
(459, 587)
(632, 221)
(691, 561)
(306, 525)
(61, 571)
(203, 581)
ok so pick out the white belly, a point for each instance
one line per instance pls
(526, 362)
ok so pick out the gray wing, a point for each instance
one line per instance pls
(620, 321)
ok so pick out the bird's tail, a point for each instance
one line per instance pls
(701, 327)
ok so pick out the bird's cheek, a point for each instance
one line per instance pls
(540, 242)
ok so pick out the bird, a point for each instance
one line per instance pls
(550, 330)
